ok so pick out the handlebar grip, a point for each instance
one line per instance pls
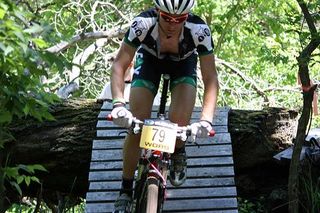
(109, 117)
(212, 133)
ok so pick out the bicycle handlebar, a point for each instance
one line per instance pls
(180, 129)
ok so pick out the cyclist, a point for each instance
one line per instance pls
(165, 39)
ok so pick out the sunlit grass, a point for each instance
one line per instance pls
(29, 206)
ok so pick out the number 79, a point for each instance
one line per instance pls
(161, 133)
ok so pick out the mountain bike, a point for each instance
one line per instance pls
(158, 138)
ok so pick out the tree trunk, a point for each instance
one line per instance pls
(63, 147)
(256, 137)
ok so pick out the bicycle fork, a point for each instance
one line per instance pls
(152, 169)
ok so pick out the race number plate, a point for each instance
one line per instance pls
(158, 138)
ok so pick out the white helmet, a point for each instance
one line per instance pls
(174, 6)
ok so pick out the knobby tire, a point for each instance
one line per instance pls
(149, 196)
(152, 197)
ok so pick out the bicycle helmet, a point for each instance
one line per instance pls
(174, 6)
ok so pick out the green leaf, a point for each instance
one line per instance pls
(2, 46)
(2, 13)
(20, 35)
(8, 50)
(26, 109)
(48, 116)
(5, 117)
(24, 47)
(41, 103)
(39, 167)
(40, 42)
(16, 186)
(35, 28)
(4, 6)
(20, 179)
(25, 168)
(35, 179)
(11, 172)
(27, 179)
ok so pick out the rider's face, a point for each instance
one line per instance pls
(172, 24)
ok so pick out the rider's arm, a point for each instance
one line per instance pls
(119, 67)
(211, 86)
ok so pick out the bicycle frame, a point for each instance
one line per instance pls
(153, 165)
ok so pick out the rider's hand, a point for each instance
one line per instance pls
(200, 129)
(121, 116)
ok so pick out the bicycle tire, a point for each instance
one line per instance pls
(148, 202)
(152, 195)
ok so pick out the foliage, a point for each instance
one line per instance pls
(22, 65)
(247, 206)
(310, 192)
(30, 205)
(22, 93)
(22, 174)
(262, 39)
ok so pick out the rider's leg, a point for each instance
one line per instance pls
(183, 93)
(141, 100)
(182, 102)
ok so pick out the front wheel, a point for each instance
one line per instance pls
(147, 202)
(152, 195)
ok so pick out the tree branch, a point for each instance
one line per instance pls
(115, 32)
(308, 17)
(305, 55)
(245, 78)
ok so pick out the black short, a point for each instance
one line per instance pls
(148, 70)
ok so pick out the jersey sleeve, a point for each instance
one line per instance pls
(203, 40)
(201, 35)
(137, 32)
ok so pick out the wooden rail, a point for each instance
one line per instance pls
(210, 183)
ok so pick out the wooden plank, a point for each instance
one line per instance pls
(192, 151)
(108, 208)
(191, 162)
(198, 204)
(226, 171)
(105, 186)
(99, 207)
(176, 193)
(108, 196)
(190, 183)
(210, 211)
(212, 192)
(107, 105)
(219, 138)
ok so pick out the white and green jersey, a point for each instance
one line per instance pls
(195, 36)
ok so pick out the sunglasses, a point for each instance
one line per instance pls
(170, 19)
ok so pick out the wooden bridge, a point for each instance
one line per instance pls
(209, 187)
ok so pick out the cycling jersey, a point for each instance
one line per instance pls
(194, 38)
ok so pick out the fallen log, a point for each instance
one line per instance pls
(63, 147)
